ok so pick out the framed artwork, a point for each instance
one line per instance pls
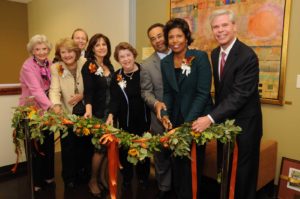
(289, 179)
(261, 24)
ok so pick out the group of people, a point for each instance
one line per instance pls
(171, 87)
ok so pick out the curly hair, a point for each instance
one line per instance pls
(38, 39)
(69, 44)
(124, 46)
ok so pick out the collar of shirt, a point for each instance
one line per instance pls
(226, 51)
(82, 53)
(162, 55)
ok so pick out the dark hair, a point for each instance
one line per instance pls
(124, 46)
(155, 26)
(90, 55)
(181, 24)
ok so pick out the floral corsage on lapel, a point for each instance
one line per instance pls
(61, 71)
(93, 69)
(121, 82)
(186, 65)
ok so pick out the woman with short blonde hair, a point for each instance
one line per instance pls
(66, 92)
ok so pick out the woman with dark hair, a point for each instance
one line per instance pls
(97, 73)
(186, 80)
(129, 109)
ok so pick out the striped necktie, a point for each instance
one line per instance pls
(223, 54)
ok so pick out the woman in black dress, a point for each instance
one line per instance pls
(97, 73)
(128, 108)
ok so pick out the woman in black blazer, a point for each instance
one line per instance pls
(187, 80)
(97, 73)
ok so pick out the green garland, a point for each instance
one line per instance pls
(179, 141)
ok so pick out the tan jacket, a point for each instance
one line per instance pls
(62, 84)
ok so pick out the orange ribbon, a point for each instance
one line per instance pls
(194, 170)
(233, 172)
(17, 151)
(14, 169)
(113, 161)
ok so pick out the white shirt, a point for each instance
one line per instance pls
(226, 51)
(163, 55)
(82, 54)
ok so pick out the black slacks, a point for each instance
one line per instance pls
(43, 159)
(142, 168)
(76, 155)
(248, 157)
(182, 174)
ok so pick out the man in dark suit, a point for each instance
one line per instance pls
(236, 97)
(152, 93)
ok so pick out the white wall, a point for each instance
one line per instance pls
(7, 155)
(58, 18)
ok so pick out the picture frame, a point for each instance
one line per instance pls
(289, 179)
(263, 25)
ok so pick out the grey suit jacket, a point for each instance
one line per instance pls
(152, 88)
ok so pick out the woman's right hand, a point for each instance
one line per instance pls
(87, 115)
(110, 120)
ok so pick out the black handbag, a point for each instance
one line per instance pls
(79, 109)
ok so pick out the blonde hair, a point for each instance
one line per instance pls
(220, 12)
(69, 44)
(80, 30)
(38, 39)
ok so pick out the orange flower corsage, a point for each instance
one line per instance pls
(92, 68)
(60, 70)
